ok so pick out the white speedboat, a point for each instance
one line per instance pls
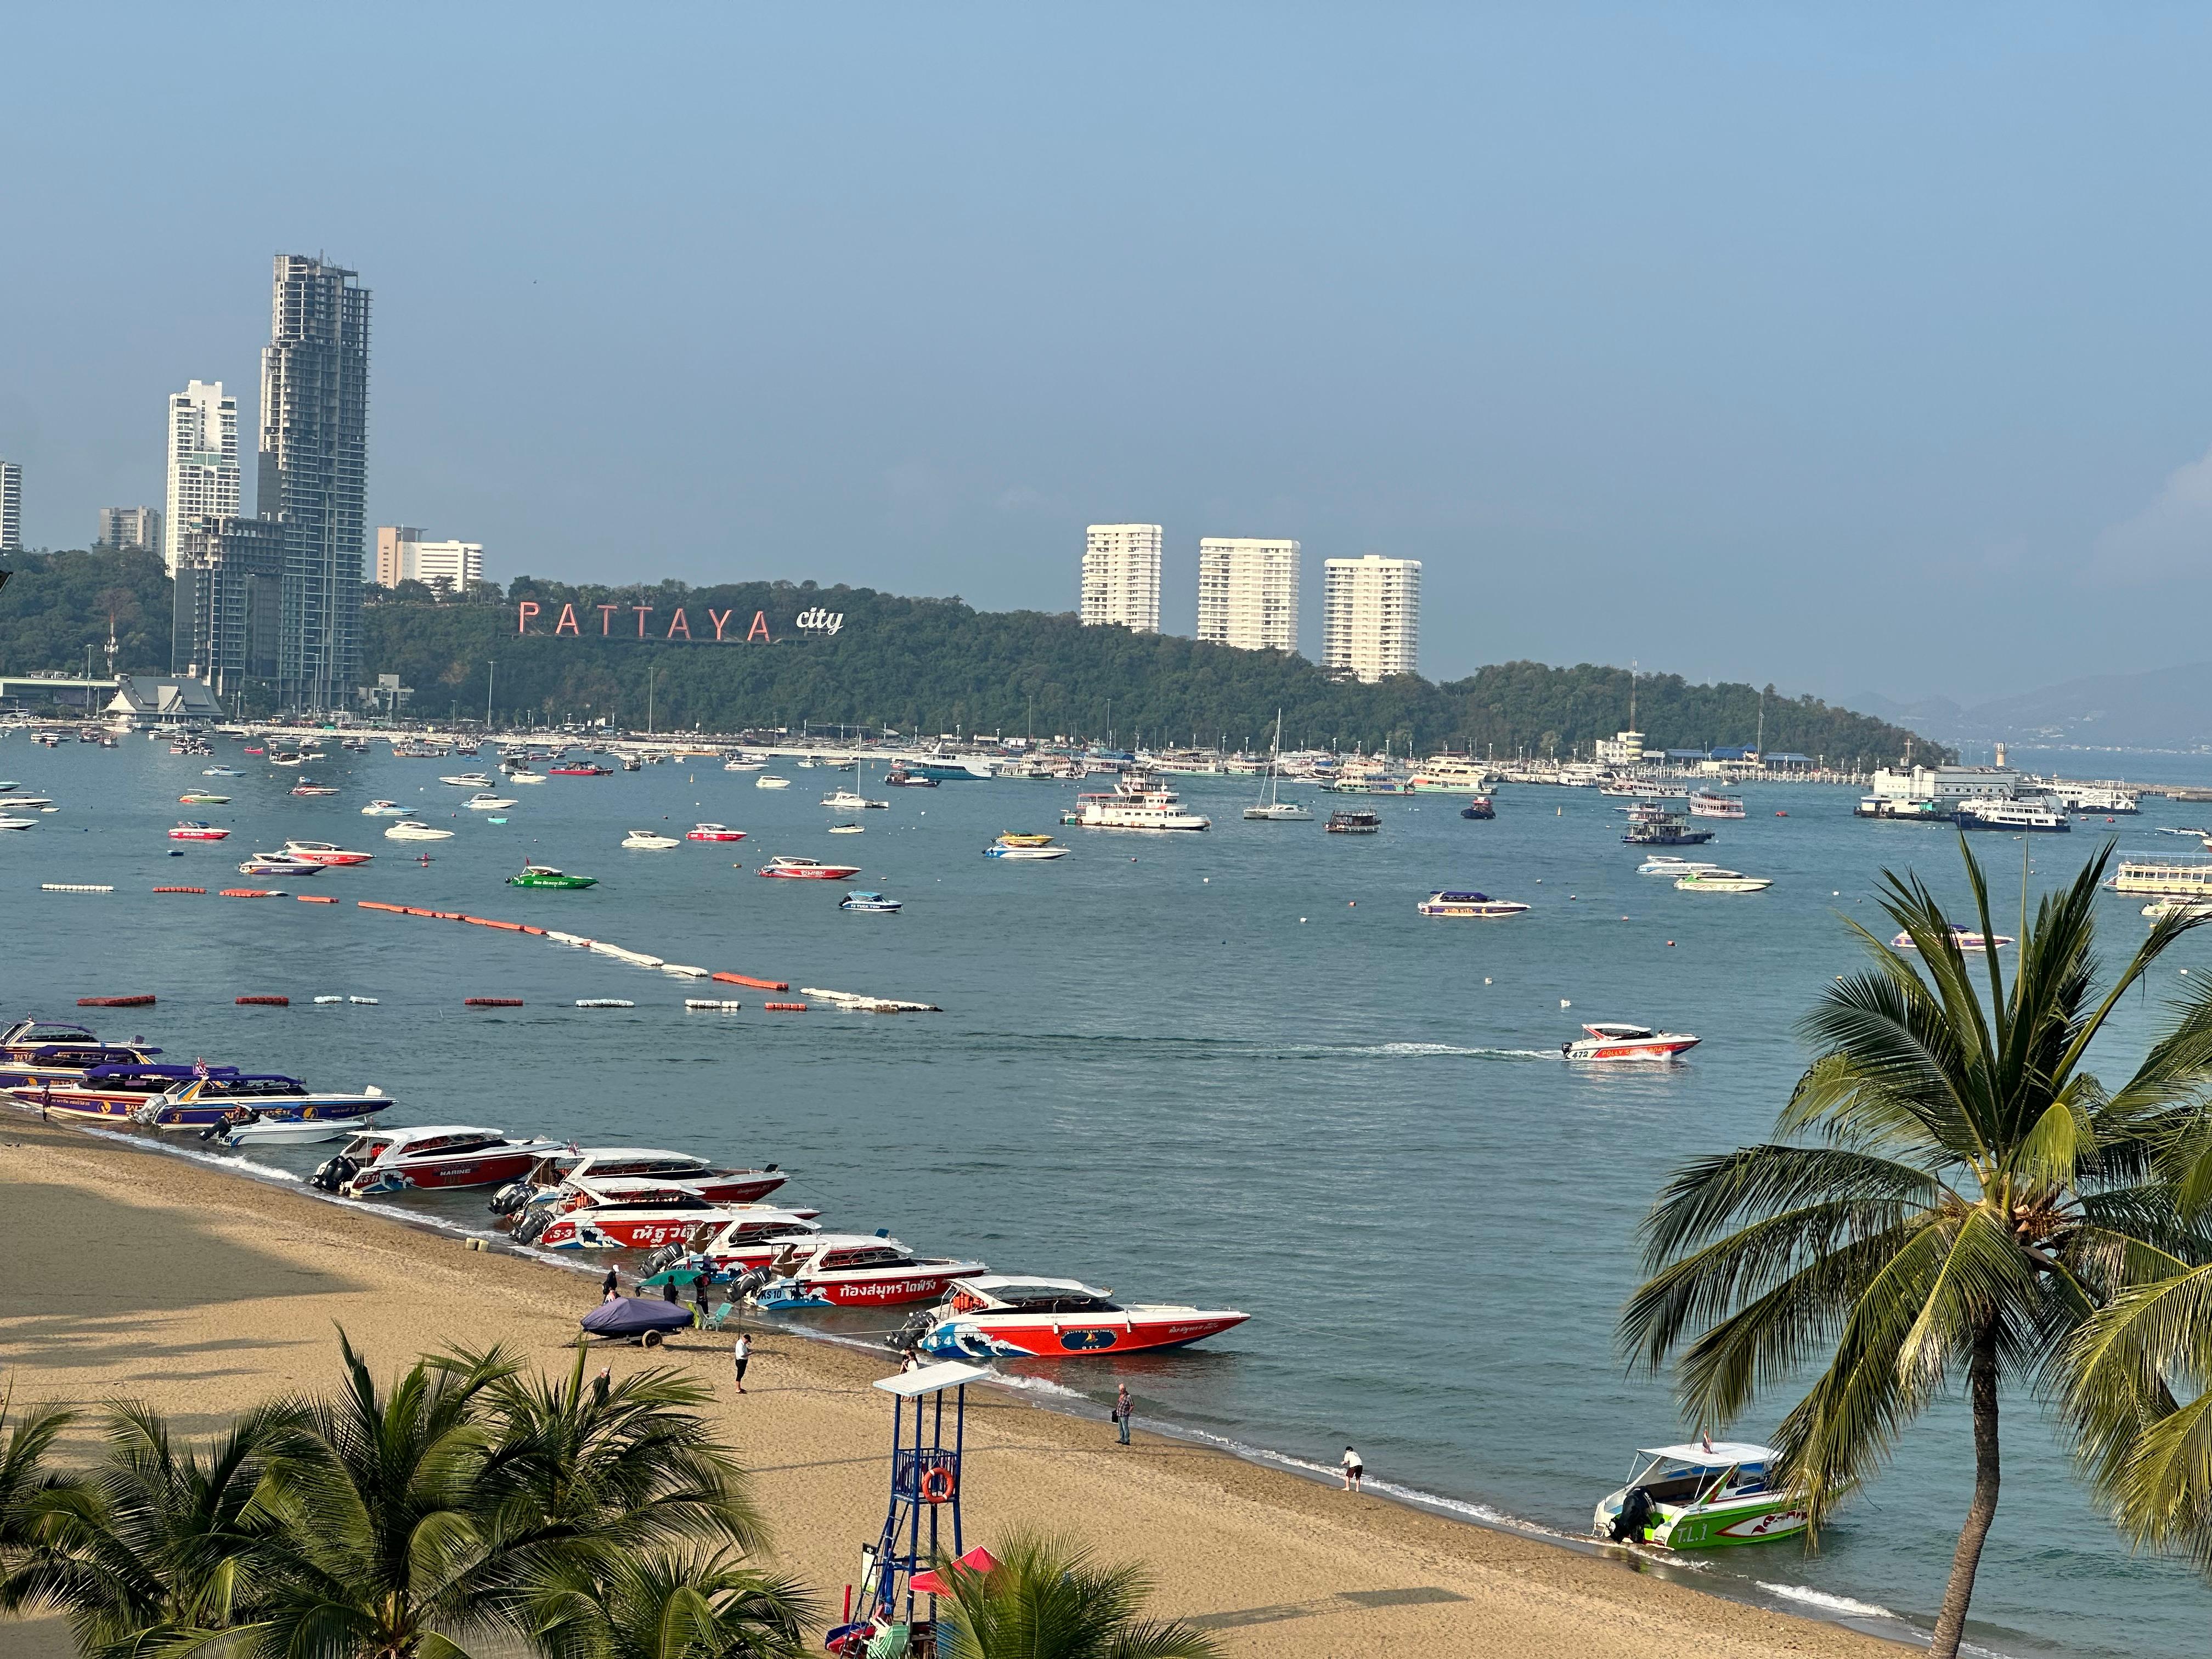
(649, 840)
(1961, 935)
(768, 781)
(279, 1132)
(18, 823)
(1665, 864)
(847, 829)
(488, 802)
(523, 775)
(384, 809)
(2178, 907)
(1609, 1040)
(409, 829)
(844, 800)
(1699, 1495)
(1721, 881)
(1461, 904)
(1025, 846)
(743, 765)
(468, 780)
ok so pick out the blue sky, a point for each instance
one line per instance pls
(1863, 350)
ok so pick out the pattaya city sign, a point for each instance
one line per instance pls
(569, 624)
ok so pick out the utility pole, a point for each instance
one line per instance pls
(650, 674)
(491, 674)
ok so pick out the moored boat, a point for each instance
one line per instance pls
(849, 1270)
(277, 864)
(1136, 804)
(325, 852)
(627, 1212)
(1446, 902)
(1479, 809)
(795, 869)
(412, 830)
(434, 1157)
(1010, 1316)
(1612, 1039)
(544, 875)
(486, 801)
(713, 832)
(871, 904)
(1358, 821)
(1703, 1495)
(568, 1164)
(168, 1096)
(199, 798)
(1961, 935)
(196, 829)
(384, 809)
(1721, 881)
(649, 840)
(768, 780)
(1025, 846)
(2021, 817)
(1704, 804)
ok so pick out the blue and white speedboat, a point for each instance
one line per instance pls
(871, 904)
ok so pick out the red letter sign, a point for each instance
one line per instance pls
(677, 621)
(759, 629)
(523, 612)
(606, 619)
(643, 611)
(720, 619)
(568, 622)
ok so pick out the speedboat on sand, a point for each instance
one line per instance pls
(849, 1270)
(633, 1213)
(1611, 1040)
(570, 1165)
(1010, 1316)
(439, 1156)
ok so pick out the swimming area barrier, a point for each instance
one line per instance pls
(265, 1002)
(71, 887)
(115, 1002)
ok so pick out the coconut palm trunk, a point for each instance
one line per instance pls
(1966, 1559)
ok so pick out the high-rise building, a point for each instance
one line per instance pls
(1121, 576)
(130, 530)
(11, 507)
(1248, 593)
(313, 474)
(1372, 610)
(229, 611)
(450, 565)
(391, 560)
(203, 461)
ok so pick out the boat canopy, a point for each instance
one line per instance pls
(1620, 1033)
(136, 1073)
(1459, 898)
(1719, 1455)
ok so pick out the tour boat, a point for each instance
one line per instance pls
(277, 864)
(1446, 902)
(411, 829)
(584, 771)
(194, 797)
(1705, 804)
(1610, 1040)
(544, 875)
(625, 1212)
(1479, 809)
(384, 809)
(570, 1165)
(488, 802)
(1657, 827)
(850, 1270)
(1010, 1316)
(1721, 881)
(649, 840)
(188, 829)
(191, 1096)
(1358, 821)
(713, 832)
(1665, 864)
(2015, 815)
(871, 904)
(1962, 936)
(324, 851)
(808, 870)
(768, 781)
(1702, 1495)
(1135, 804)
(468, 780)
(1025, 846)
(439, 1156)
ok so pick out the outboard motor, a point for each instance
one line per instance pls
(512, 1197)
(1635, 1516)
(667, 1256)
(908, 1336)
(529, 1224)
(332, 1173)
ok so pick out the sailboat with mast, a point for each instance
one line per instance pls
(1271, 809)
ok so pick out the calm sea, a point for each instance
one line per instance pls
(1232, 1068)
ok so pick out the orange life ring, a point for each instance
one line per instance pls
(937, 1486)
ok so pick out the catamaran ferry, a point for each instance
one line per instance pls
(2183, 877)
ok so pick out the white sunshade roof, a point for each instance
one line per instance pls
(1723, 1451)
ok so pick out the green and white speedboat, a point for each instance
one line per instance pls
(544, 875)
(1699, 1495)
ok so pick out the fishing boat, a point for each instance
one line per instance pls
(1721, 881)
(1448, 902)
(767, 781)
(1010, 1316)
(2019, 816)
(1704, 1495)
(1705, 804)
(713, 832)
(570, 1165)
(1611, 1040)
(855, 1270)
(1025, 846)
(1270, 807)
(791, 869)
(412, 830)
(384, 809)
(544, 875)
(1479, 809)
(1356, 822)
(1134, 804)
(434, 1157)
(649, 840)
(899, 778)
(486, 801)
(874, 905)
(1961, 935)
(187, 830)
(277, 864)
(324, 851)
(199, 798)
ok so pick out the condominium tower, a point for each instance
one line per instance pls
(1121, 576)
(391, 541)
(404, 553)
(314, 456)
(227, 621)
(131, 530)
(1373, 615)
(11, 507)
(1248, 593)
(202, 462)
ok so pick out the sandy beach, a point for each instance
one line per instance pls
(135, 1274)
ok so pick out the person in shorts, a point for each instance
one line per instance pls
(1354, 1469)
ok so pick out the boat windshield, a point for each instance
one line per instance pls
(1052, 1298)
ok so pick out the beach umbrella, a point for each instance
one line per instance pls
(978, 1559)
(632, 1315)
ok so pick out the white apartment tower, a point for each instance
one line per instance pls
(450, 565)
(1122, 577)
(1248, 593)
(202, 462)
(11, 507)
(1373, 608)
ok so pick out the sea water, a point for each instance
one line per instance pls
(1231, 1068)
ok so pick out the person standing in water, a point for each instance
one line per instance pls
(1354, 1470)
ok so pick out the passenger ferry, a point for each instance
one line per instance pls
(2111, 799)
(2182, 878)
(2025, 817)
(1704, 804)
(1447, 774)
(1136, 804)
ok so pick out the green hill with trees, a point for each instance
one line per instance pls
(55, 604)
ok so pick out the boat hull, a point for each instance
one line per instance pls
(482, 1169)
(820, 873)
(1653, 1048)
(1044, 1336)
(890, 1288)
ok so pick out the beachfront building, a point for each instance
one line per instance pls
(1122, 577)
(228, 607)
(203, 472)
(11, 507)
(313, 474)
(1371, 614)
(1248, 593)
(404, 555)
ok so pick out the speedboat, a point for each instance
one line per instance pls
(1479, 808)
(277, 864)
(1009, 1316)
(632, 1212)
(2162, 908)
(1962, 936)
(649, 840)
(523, 775)
(847, 1270)
(309, 786)
(1699, 1495)
(1447, 902)
(221, 772)
(734, 764)
(201, 797)
(753, 1236)
(1721, 881)
(871, 904)
(1012, 838)
(1665, 864)
(544, 875)
(768, 781)
(587, 770)
(258, 1131)
(384, 809)
(1028, 848)
(44, 804)
(899, 778)
(791, 869)
(324, 851)
(163, 1097)
(848, 828)
(411, 829)
(1611, 1041)
(468, 780)
(485, 801)
(844, 800)
(26, 823)
(439, 1156)
(570, 1165)
(188, 830)
(713, 832)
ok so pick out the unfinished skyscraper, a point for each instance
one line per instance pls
(314, 452)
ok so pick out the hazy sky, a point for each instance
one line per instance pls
(1863, 350)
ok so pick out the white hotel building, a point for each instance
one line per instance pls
(202, 462)
(1372, 616)
(1248, 593)
(1122, 577)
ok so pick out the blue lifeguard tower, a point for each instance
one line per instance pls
(924, 1515)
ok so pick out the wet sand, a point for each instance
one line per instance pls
(133, 1274)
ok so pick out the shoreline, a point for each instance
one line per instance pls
(1265, 1553)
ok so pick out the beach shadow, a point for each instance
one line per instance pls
(1412, 1595)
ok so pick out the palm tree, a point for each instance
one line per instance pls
(26, 1484)
(1969, 1197)
(1047, 1599)
(660, 1605)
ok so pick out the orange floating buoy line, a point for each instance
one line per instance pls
(249, 892)
(757, 984)
(314, 898)
(115, 1002)
(491, 1002)
(265, 1002)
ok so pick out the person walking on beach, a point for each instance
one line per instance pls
(1354, 1470)
(741, 1355)
(1122, 1413)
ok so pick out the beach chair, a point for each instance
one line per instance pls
(721, 1312)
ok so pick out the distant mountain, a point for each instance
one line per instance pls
(2162, 708)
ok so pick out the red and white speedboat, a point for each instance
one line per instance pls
(809, 870)
(193, 829)
(1006, 1316)
(757, 1235)
(856, 1270)
(635, 1213)
(713, 832)
(442, 1155)
(1618, 1042)
(572, 1165)
(325, 852)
